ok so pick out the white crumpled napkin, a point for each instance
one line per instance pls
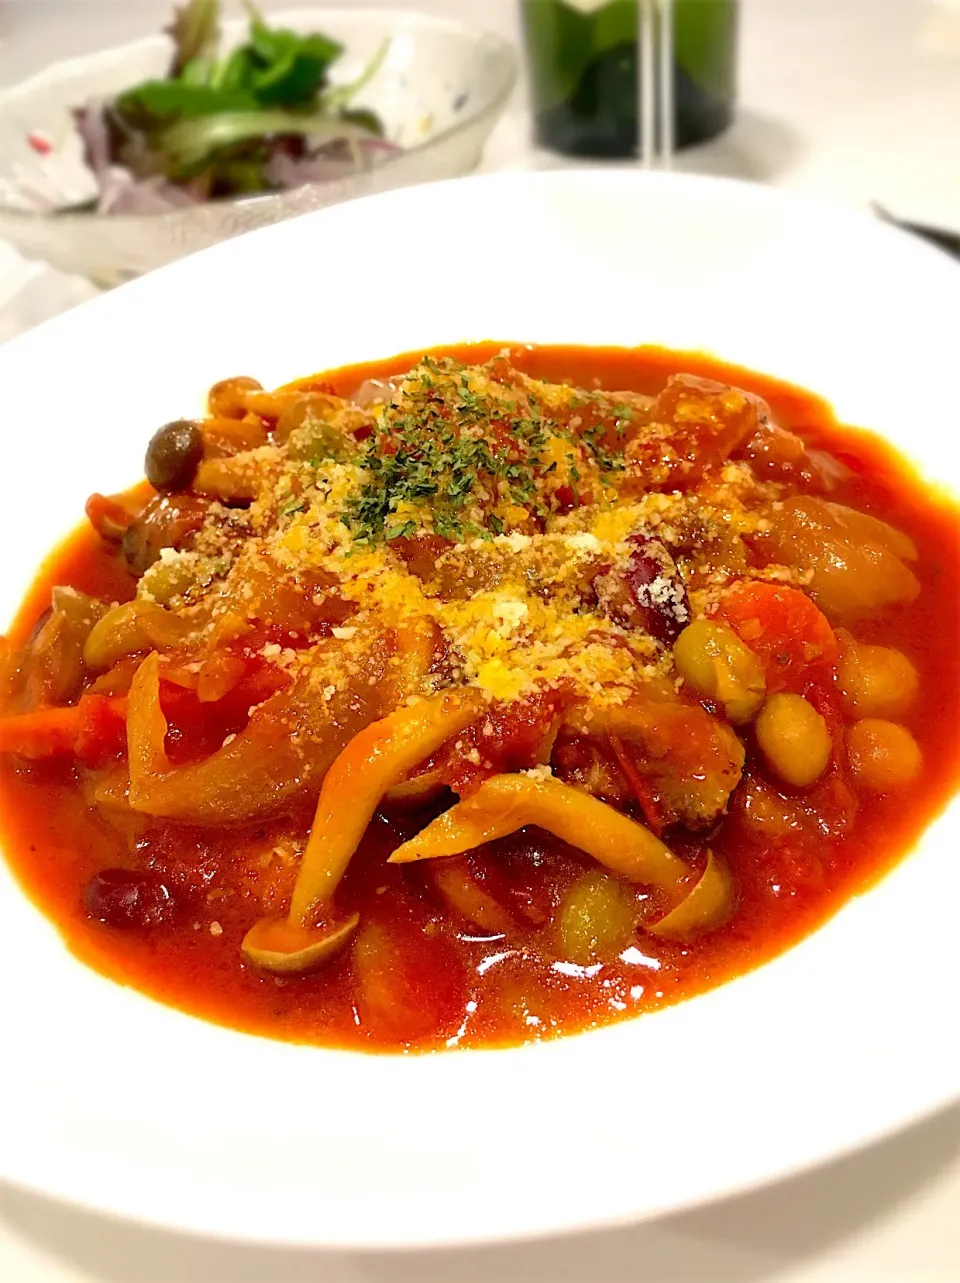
(30, 292)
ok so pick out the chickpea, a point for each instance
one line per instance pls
(876, 681)
(883, 755)
(597, 919)
(715, 663)
(794, 739)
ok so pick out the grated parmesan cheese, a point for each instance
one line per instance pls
(510, 596)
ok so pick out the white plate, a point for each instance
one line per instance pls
(115, 1102)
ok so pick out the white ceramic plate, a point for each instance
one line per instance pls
(118, 1103)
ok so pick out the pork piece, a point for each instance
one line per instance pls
(695, 424)
(689, 760)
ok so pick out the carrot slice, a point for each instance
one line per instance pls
(46, 732)
(93, 729)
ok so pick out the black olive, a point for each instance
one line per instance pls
(173, 455)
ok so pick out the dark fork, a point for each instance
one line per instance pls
(947, 241)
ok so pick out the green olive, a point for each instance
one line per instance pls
(794, 739)
(318, 441)
(876, 681)
(715, 663)
(883, 755)
(173, 455)
(597, 919)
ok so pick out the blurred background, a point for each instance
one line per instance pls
(857, 101)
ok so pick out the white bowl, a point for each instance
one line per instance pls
(439, 92)
(121, 1104)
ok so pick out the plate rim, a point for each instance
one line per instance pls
(126, 297)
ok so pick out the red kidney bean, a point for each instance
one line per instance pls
(657, 588)
(128, 898)
(647, 592)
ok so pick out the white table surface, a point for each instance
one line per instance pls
(854, 100)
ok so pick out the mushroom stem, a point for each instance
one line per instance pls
(277, 944)
(374, 761)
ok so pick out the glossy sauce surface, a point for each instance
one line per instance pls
(455, 984)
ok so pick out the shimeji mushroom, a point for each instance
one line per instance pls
(374, 761)
(505, 803)
(277, 944)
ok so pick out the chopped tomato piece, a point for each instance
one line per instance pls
(102, 732)
(46, 732)
(511, 737)
(790, 636)
(109, 518)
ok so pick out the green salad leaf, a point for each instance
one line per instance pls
(238, 122)
(195, 31)
(156, 102)
(189, 143)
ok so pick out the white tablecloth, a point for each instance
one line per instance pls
(855, 100)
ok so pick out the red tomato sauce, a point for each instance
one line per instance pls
(422, 979)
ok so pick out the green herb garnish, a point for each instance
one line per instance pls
(449, 454)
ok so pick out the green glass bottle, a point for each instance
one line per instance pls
(582, 56)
